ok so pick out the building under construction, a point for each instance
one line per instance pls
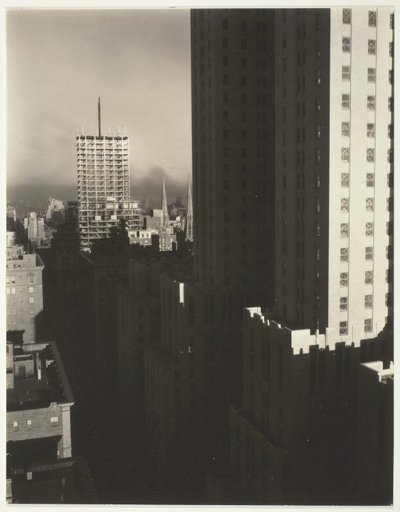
(104, 185)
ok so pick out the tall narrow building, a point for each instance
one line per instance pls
(104, 185)
(189, 214)
(334, 163)
(164, 205)
(24, 293)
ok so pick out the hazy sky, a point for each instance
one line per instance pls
(59, 62)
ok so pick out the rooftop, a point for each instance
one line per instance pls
(39, 378)
(63, 481)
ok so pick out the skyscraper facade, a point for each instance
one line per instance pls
(233, 153)
(293, 438)
(334, 163)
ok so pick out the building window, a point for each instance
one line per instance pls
(31, 289)
(343, 327)
(369, 277)
(225, 24)
(54, 420)
(369, 253)
(371, 102)
(368, 325)
(389, 228)
(344, 205)
(369, 229)
(390, 104)
(372, 18)
(368, 301)
(343, 303)
(346, 73)
(391, 20)
(345, 129)
(344, 254)
(346, 44)
(345, 153)
(15, 424)
(344, 230)
(371, 75)
(390, 155)
(370, 155)
(345, 179)
(371, 46)
(31, 300)
(344, 279)
(370, 179)
(391, 49)
(346, 16)
(390, 76)
(370, 130)
(345, 101)
(225, 61)
(369, 204)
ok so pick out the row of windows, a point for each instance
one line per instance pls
(346, 74)
(369, 253)
(370, 153)
(53, 421)
(12, 279)
(370, 100)
(370, 179)
(370, 129)
(343, 327)
(369, 229)
(346, 18)
(346, 46)
(368, 299)
(11, 291)
(369, 204)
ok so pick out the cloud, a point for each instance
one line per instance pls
(149, 186)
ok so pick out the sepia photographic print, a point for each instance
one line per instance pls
(200, 255)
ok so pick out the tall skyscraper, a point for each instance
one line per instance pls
(293, 438)
(104, 185)
(233, 152)
(334, 163)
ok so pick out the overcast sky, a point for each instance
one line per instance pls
(59, 62)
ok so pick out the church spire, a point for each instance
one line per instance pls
(189, 214)
(164, 204)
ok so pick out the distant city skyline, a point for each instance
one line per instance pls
(60, 61)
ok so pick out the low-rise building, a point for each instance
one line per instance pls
(24, 292)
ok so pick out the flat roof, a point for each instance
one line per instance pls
(34, 393)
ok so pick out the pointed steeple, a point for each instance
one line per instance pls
(189, 214)
(164, 205)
